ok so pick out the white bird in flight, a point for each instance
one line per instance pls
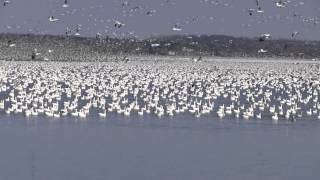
(264, 37)
(176, 28)
(53, 19)
(281, 3)
(6, 2)
(294, 34)
(151, 12)
(259, 10)
(78, 28)
(118, 24)
(262, 51)
(65, 4)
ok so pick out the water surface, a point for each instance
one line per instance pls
(172, 149)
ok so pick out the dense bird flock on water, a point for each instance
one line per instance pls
(225, 89)
(163, 88)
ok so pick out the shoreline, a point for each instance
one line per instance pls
(115, 58)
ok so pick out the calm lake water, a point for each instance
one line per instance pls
(158, 149)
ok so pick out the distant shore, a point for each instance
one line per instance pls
(63, 48)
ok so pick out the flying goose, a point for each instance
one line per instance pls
(53, 19)
(65, 4)
(176, 28)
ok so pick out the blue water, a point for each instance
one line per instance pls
(183, 148)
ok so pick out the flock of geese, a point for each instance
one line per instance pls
(129, 8)
(164, 88)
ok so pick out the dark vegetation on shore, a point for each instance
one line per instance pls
(21, 47)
